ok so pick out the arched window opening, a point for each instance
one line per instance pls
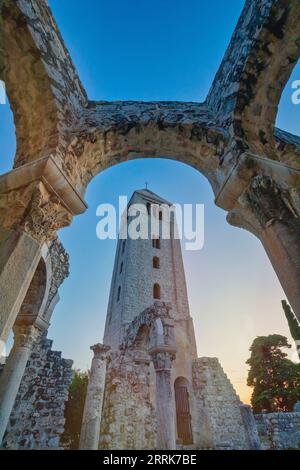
(123, 246)
(119, 293)
(160, 215)
(156, 291)
(156, 263)
(183, 415)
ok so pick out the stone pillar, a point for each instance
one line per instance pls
(36, 200)
(10, 379)
(165, 404)
(250, 428)
(19, 257)
(91, 421)
(271, 212)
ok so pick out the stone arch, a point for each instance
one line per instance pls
(179, 131)
(266, 72)
(247, 88)
(28, 87)
(152, 328)
(45, 92)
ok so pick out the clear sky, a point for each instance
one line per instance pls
(161, 50)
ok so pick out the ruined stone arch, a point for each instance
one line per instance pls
(230, 138)
(28, 87)
(152, 328)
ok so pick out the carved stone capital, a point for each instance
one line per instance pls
(45, 216)
(25, 336)
(263, 203)
(38, 199)
(100, 351)
(268, 201)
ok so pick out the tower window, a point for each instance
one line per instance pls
(119, 293)
(156, 291)
(121, 267)
(156, 243)
(160, 215)
(123, 246)
(156, 264)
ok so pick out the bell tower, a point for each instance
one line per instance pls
(147, 270)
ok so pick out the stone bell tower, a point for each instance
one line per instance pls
(149, 270)
(147, 388)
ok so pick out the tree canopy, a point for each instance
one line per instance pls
(275, 379)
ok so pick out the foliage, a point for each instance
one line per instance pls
(275, 379)
(294, 325)
(74, 409)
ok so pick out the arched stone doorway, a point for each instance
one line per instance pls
(183, 415)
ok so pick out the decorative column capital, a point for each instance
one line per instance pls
(38, 199)
(162, 358)
(263, 203)
(25, 336)
(268, 201)
(100, 351)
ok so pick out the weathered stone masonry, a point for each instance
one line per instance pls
(37, 420)
(279, 431)
(64, 140)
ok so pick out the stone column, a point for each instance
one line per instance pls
(10, 379)
(19, 257)
(165, 405)
(91, 421)
(36, 200)
(271, 212)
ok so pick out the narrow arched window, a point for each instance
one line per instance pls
(156, 291)
(121, 267)
(156, 262)
(160, 215)
(123, 246)
(119, 293)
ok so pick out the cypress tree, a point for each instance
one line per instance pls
(293, 323)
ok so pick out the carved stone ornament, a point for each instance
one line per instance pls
(25, 336)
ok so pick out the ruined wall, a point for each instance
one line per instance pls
(37, 420)
(219, 423)
(278, 431)
(128, 419)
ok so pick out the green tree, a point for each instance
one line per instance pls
(74, 409)
(293, 323)
(274, 378)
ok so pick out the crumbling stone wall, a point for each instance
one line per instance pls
(37, 420)
(128, 419)
(219, 420)
(279, 431)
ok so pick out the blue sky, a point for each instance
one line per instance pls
(161, 50)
